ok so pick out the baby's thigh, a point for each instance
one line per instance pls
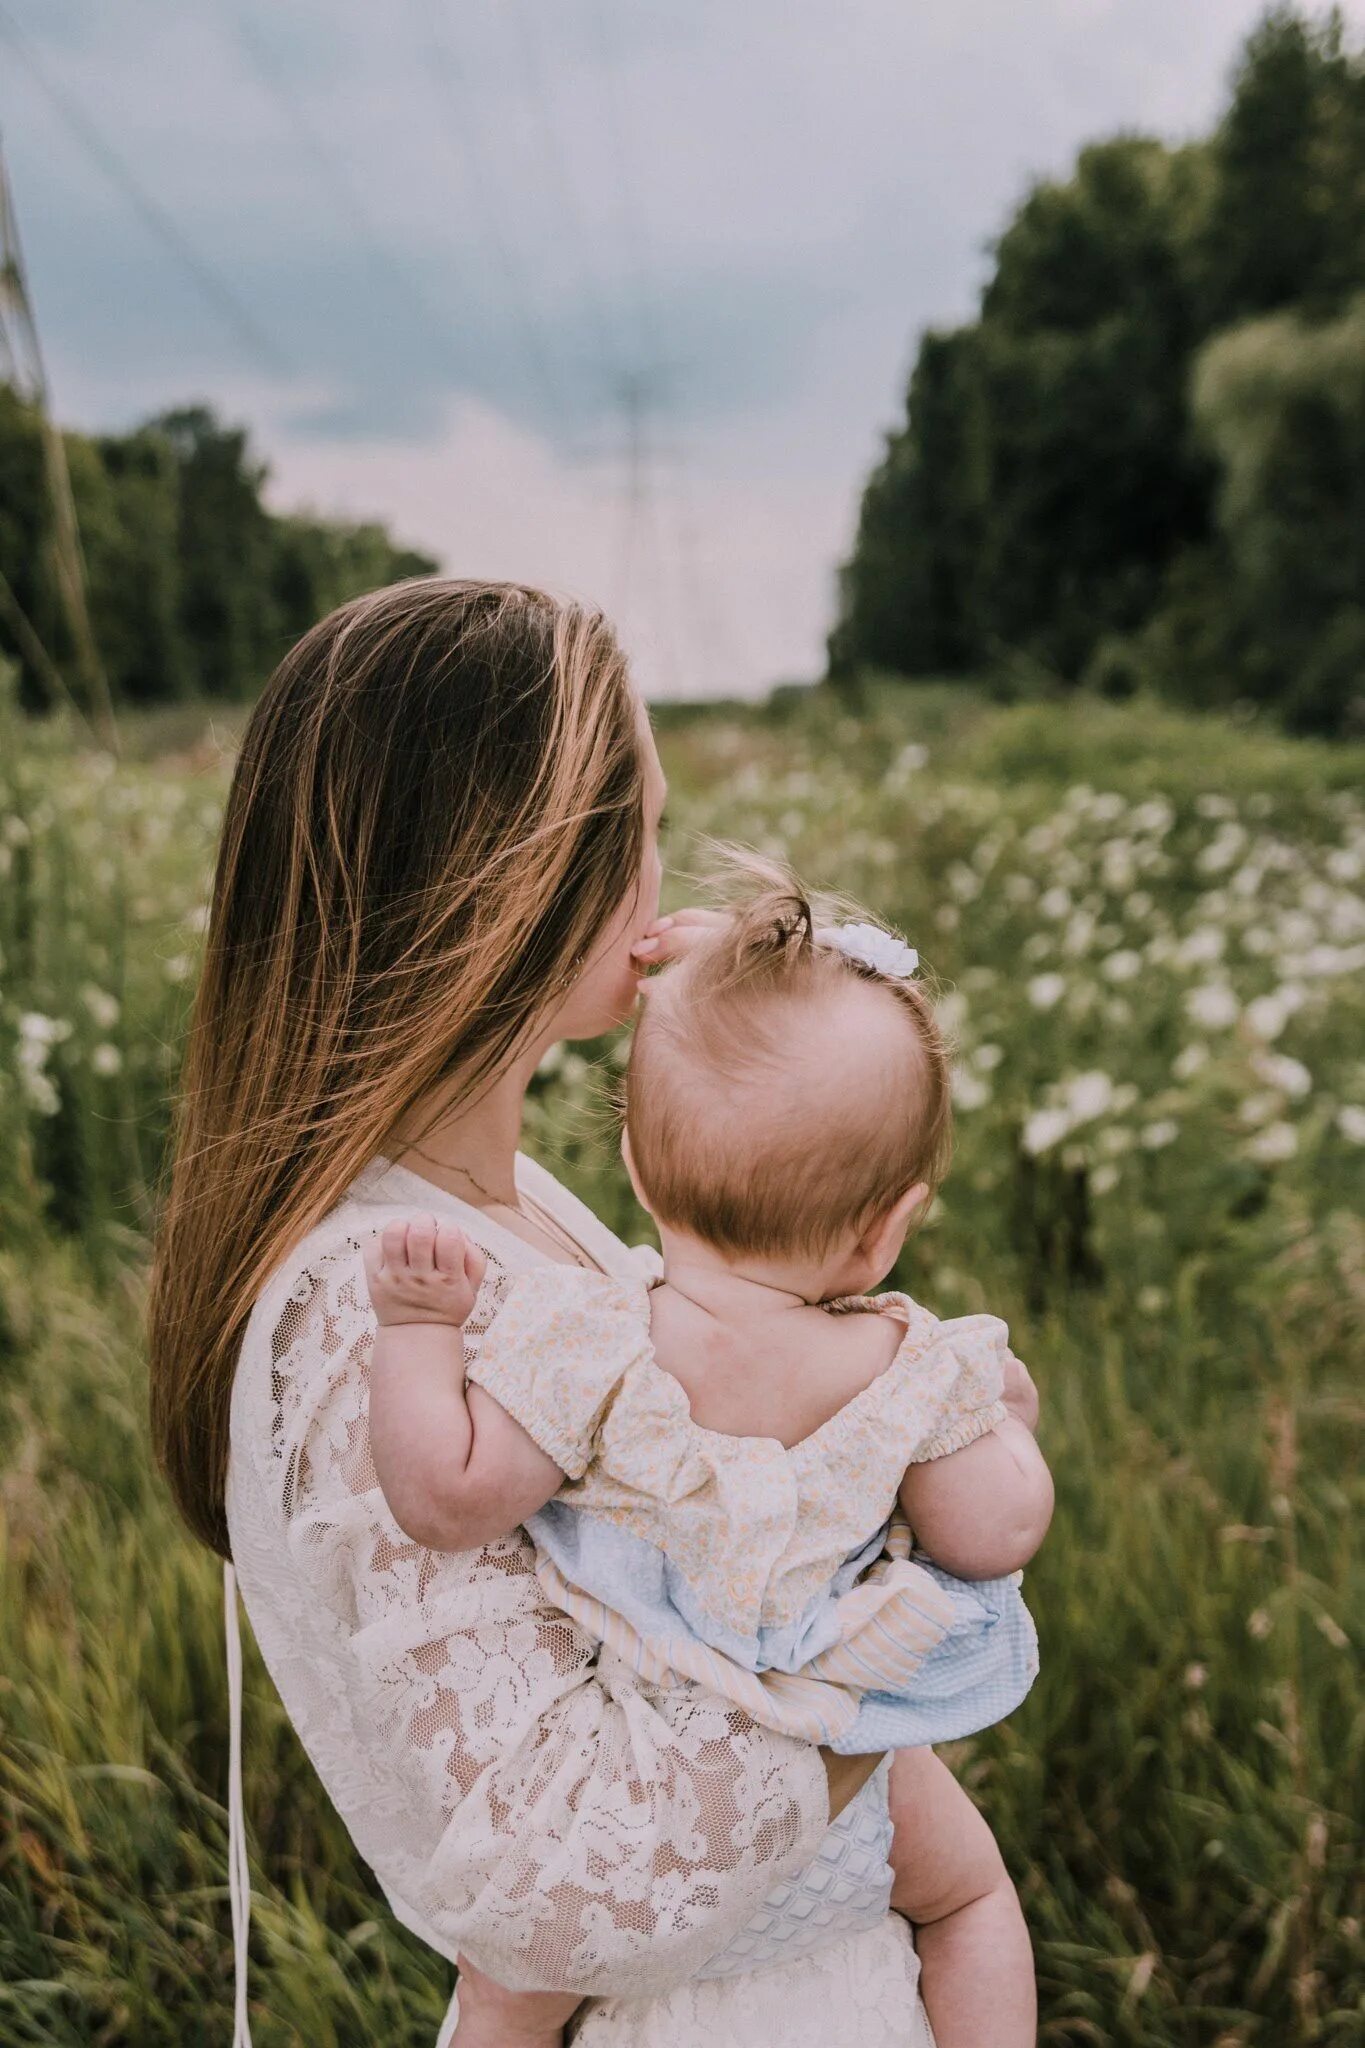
(943, 1855)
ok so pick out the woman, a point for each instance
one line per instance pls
(439, 858)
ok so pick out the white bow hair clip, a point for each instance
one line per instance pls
(870, 946)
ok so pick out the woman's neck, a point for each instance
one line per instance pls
(474, 1145)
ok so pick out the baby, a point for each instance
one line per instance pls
(720, 1466)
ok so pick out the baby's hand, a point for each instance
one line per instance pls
(423, 1271)
(673, 938)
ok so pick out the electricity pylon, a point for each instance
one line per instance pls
(21, 364)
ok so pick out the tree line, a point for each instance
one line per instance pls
(1144, 463)
(195, 588)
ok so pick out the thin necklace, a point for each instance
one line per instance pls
(542, 1220)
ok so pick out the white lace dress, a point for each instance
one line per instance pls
(521, 1799)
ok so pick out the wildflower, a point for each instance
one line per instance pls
(1055, 902)
(969, 1090)
(102, 1006)
(1163, 1132)
(1213, 1005)
(1045, 991)
(1351, 1122)
(988, 1057)
(1277, 1070)
(1274, 1143)
(1089, 1095)
(1152, 1300)
(1044, 1129)
(1201, 947)
(106, 1059)
(1190, 1059)
(1267, 1016)
(1122, 966)
(1104, 1179)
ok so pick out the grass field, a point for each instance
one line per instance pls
(1150, 935)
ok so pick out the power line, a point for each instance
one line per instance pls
(23, 351)
(694, 595)
(487, 210)
(339, 182)
(562, 181)
(152, 213)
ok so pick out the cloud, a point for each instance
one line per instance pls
(714, 583)
(469, 227)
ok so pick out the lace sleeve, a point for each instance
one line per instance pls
(522, 1800)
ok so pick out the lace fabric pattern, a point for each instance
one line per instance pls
(521, 1799)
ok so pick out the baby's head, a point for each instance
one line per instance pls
(787, 1103)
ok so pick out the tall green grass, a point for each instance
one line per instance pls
(1162, 1109)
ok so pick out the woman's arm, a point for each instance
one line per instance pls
(983, 1511)
(526, 1801)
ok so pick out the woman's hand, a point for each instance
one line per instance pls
(670, 939)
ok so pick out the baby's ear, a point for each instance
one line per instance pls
(913, 1205)
(883, 1239)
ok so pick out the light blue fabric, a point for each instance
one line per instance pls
(845, 1888)
(981, 1671)
(978, 1674)
(638, 1581)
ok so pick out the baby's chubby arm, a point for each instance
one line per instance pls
(983, 1511)
(455, 1469)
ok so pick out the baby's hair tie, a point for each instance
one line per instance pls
(867, 945)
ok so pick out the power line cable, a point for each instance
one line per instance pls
(24, 353)
(563, 182)
(336, 176)
(697, 612)
(150, 210)
(462, 134)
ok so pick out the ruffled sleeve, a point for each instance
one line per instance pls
(948, 1382)
(558, 1351)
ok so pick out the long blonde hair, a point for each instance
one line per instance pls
(436, 812)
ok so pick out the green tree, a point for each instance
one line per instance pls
(1281, 401)
(1051, 495)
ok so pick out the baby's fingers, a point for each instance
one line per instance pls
(372, 1253)
(475, 1265)
(451, 1248)
(422, 1244)
(673, 938)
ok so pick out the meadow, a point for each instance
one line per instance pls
(1149, 934)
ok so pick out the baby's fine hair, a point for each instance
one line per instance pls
(764, 1117)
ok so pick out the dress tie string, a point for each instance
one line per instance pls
(239, 1872)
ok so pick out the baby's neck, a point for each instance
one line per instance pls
(735, 1288)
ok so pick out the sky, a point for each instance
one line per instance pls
(615, 296)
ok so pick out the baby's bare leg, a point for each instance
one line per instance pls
(952, 1885)
(493, 2018)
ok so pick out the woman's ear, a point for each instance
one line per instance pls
(629, 1159)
